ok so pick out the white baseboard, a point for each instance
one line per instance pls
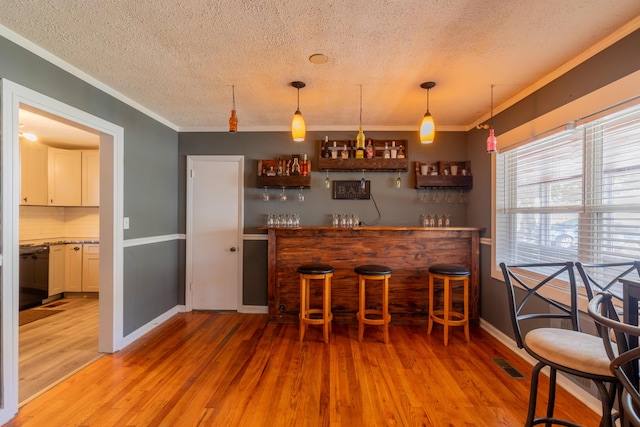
(254, 309)
(138, 333)
(578, 392)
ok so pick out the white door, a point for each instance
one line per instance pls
(214, 232)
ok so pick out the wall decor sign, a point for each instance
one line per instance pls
(351, 190)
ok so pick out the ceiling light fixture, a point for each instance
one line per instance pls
(492, 141)
(26, 135)
(233, 120)
(428, 126)
(298, 128)
(318, 58)
(360, 137)
(29, 136)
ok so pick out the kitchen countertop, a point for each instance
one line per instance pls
(59, 242)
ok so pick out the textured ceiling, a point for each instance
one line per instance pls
(177, 60)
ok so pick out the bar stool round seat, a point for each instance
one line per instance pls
(315, 316)
(446, 316)
(382, 274)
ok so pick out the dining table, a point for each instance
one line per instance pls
(630, 300)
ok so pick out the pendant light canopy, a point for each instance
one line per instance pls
(428, 126)
(233, 120)
(492, 141)
(360, 138)
(298, 128)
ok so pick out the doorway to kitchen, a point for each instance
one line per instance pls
(110, 305)
(59, 223)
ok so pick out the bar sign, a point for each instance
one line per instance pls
(351, 190)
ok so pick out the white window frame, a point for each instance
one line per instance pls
(621, 93)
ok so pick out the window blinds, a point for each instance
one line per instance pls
(574, 195)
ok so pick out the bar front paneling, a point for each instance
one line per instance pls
(408, 251)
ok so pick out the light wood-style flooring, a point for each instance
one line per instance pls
(227, 369)
(52, 348)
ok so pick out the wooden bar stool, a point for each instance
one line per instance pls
(373, 272)
(308, 315)
(446, 316)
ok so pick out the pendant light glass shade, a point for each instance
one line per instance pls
(298, 127)
(427, 129)
(428, 126)
(492, 141)
(233, 120)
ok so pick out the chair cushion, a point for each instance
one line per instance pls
(373, 270)
(315, 269)
(449, 270)
(575, 350)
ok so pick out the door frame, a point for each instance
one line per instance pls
(111, 229)
(189, 217)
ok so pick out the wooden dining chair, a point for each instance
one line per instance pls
(538, 329)
(617, 338)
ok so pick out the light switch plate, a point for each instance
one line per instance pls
(125, 222)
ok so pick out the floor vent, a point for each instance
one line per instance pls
(508, 368)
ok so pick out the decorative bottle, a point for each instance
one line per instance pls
(369, 150)
(387, 154)
(233, 122)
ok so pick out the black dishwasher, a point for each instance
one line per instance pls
(34, 275)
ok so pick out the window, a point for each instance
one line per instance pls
(574, 195)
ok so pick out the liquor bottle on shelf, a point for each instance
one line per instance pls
(401, 152)
(295, 168)
(326, 147)
(394, 151)
(369, 151)
(334, 152)
(304, 170)
(345, 152)
(386, 153)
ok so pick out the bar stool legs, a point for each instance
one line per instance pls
(309, 316)
(446, 316)
(373, 272)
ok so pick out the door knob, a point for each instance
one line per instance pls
(233, 249)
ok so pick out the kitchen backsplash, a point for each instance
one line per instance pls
(44, 223)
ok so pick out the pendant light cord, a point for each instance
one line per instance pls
(360, 105)
(233, 94)
(491, 119)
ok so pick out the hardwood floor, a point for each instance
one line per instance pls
(52, 348)
(221, 369)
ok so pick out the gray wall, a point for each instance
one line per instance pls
(150, 181)
(398, 207)
(617, 61)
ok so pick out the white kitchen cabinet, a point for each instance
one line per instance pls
(91, 268)
(33, 173)
(56, 269)
(73, 268)
(91, 178)
(64, 172)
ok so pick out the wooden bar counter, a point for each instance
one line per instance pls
(409, 251)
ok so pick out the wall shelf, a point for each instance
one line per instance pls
(438, 175)
(290, 178)
(376, 164)
(284, 181)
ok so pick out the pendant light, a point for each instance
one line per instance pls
(233, 120)
(360, 137)
(298, 128)
(492, 141)
(428, 126)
